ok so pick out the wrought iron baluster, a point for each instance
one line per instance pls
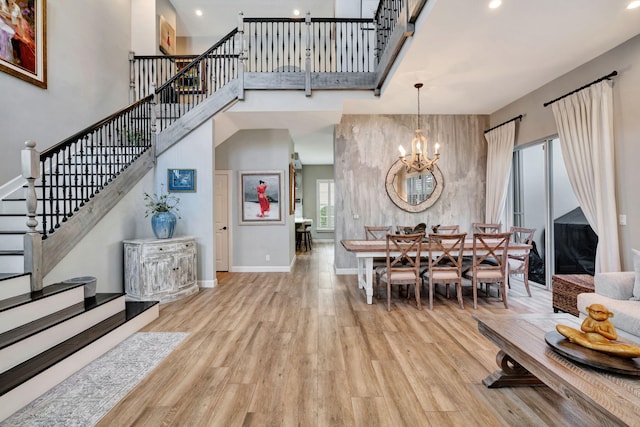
(63, 186)
(68, 192)
(50, 198)
(55, 187)
(43, 183)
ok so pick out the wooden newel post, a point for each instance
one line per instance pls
(33, 238)
(307, 57)
(153, 128)
(132, 77)
(241, 56)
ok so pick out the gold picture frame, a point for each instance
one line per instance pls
(292, 189)
(23, 40)
(167, 37)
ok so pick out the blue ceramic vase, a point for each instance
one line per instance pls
(163, 224)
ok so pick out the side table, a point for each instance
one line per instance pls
(160, 269)
(565, 290)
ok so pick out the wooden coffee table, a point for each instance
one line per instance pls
(526, 359)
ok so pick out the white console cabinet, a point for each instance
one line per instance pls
(160, 269)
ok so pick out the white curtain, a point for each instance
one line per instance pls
(585, 126)
(499, 154)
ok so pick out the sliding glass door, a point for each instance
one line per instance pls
(542, 198)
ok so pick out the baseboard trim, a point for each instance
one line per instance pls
(345, 271)
(208, 283)
(260, 269)
(12, 186)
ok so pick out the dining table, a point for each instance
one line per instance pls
(366, 250)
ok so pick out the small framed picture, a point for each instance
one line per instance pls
(193, 80)
(181, 180)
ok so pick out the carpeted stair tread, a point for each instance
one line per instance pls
(13, 336)
(34, 366)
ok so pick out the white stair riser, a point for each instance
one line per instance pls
(11, 242)
(23, 394)
(11, 263)
(27, 348)
(23, 314)
(16, 207)
(16, 222)
(15, 286)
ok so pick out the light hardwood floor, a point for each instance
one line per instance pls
(303, 348)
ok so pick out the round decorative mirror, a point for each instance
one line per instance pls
(413, 191)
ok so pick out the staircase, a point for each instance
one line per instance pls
(46, 334)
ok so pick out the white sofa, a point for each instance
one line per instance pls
(620, 293)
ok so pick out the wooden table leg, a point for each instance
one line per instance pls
(512, 374)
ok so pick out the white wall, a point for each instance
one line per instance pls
(100, 253)
(538, 123)
(195, 151)
(259, 150)
(144, 34)
(88, 78)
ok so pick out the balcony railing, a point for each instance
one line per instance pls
(258, 45)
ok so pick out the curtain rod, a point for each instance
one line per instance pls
(504, 123)
(607, 77)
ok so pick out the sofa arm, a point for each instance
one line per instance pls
(616, 285)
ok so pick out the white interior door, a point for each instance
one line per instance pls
(221, 209)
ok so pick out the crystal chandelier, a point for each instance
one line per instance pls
(419, 159)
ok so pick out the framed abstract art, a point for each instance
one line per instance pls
(181, 180)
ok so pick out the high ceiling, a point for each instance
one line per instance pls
(471, 59)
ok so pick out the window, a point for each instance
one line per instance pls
(325, 205)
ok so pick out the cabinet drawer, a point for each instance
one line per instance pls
(168, 248)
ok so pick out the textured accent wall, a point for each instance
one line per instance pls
(367, 145)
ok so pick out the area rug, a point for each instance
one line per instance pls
(86, 396)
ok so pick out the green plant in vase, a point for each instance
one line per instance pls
(163, 208)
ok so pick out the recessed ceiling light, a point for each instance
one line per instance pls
(296, 12)
(198, 12)
(495, 4)
(634, 4)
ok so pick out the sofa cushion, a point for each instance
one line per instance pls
(616, 285)
(625, 312)
(636, 267)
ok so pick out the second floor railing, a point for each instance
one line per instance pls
(319, 45)
(258, 45)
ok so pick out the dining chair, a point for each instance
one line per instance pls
(376, 232)
(403, 268)
(404, 229)
(519, 262)
(493, 247)
(303, 236)
(479, 227)
(445, 263)
(448, 229)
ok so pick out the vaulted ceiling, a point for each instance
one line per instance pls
(471, 59)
